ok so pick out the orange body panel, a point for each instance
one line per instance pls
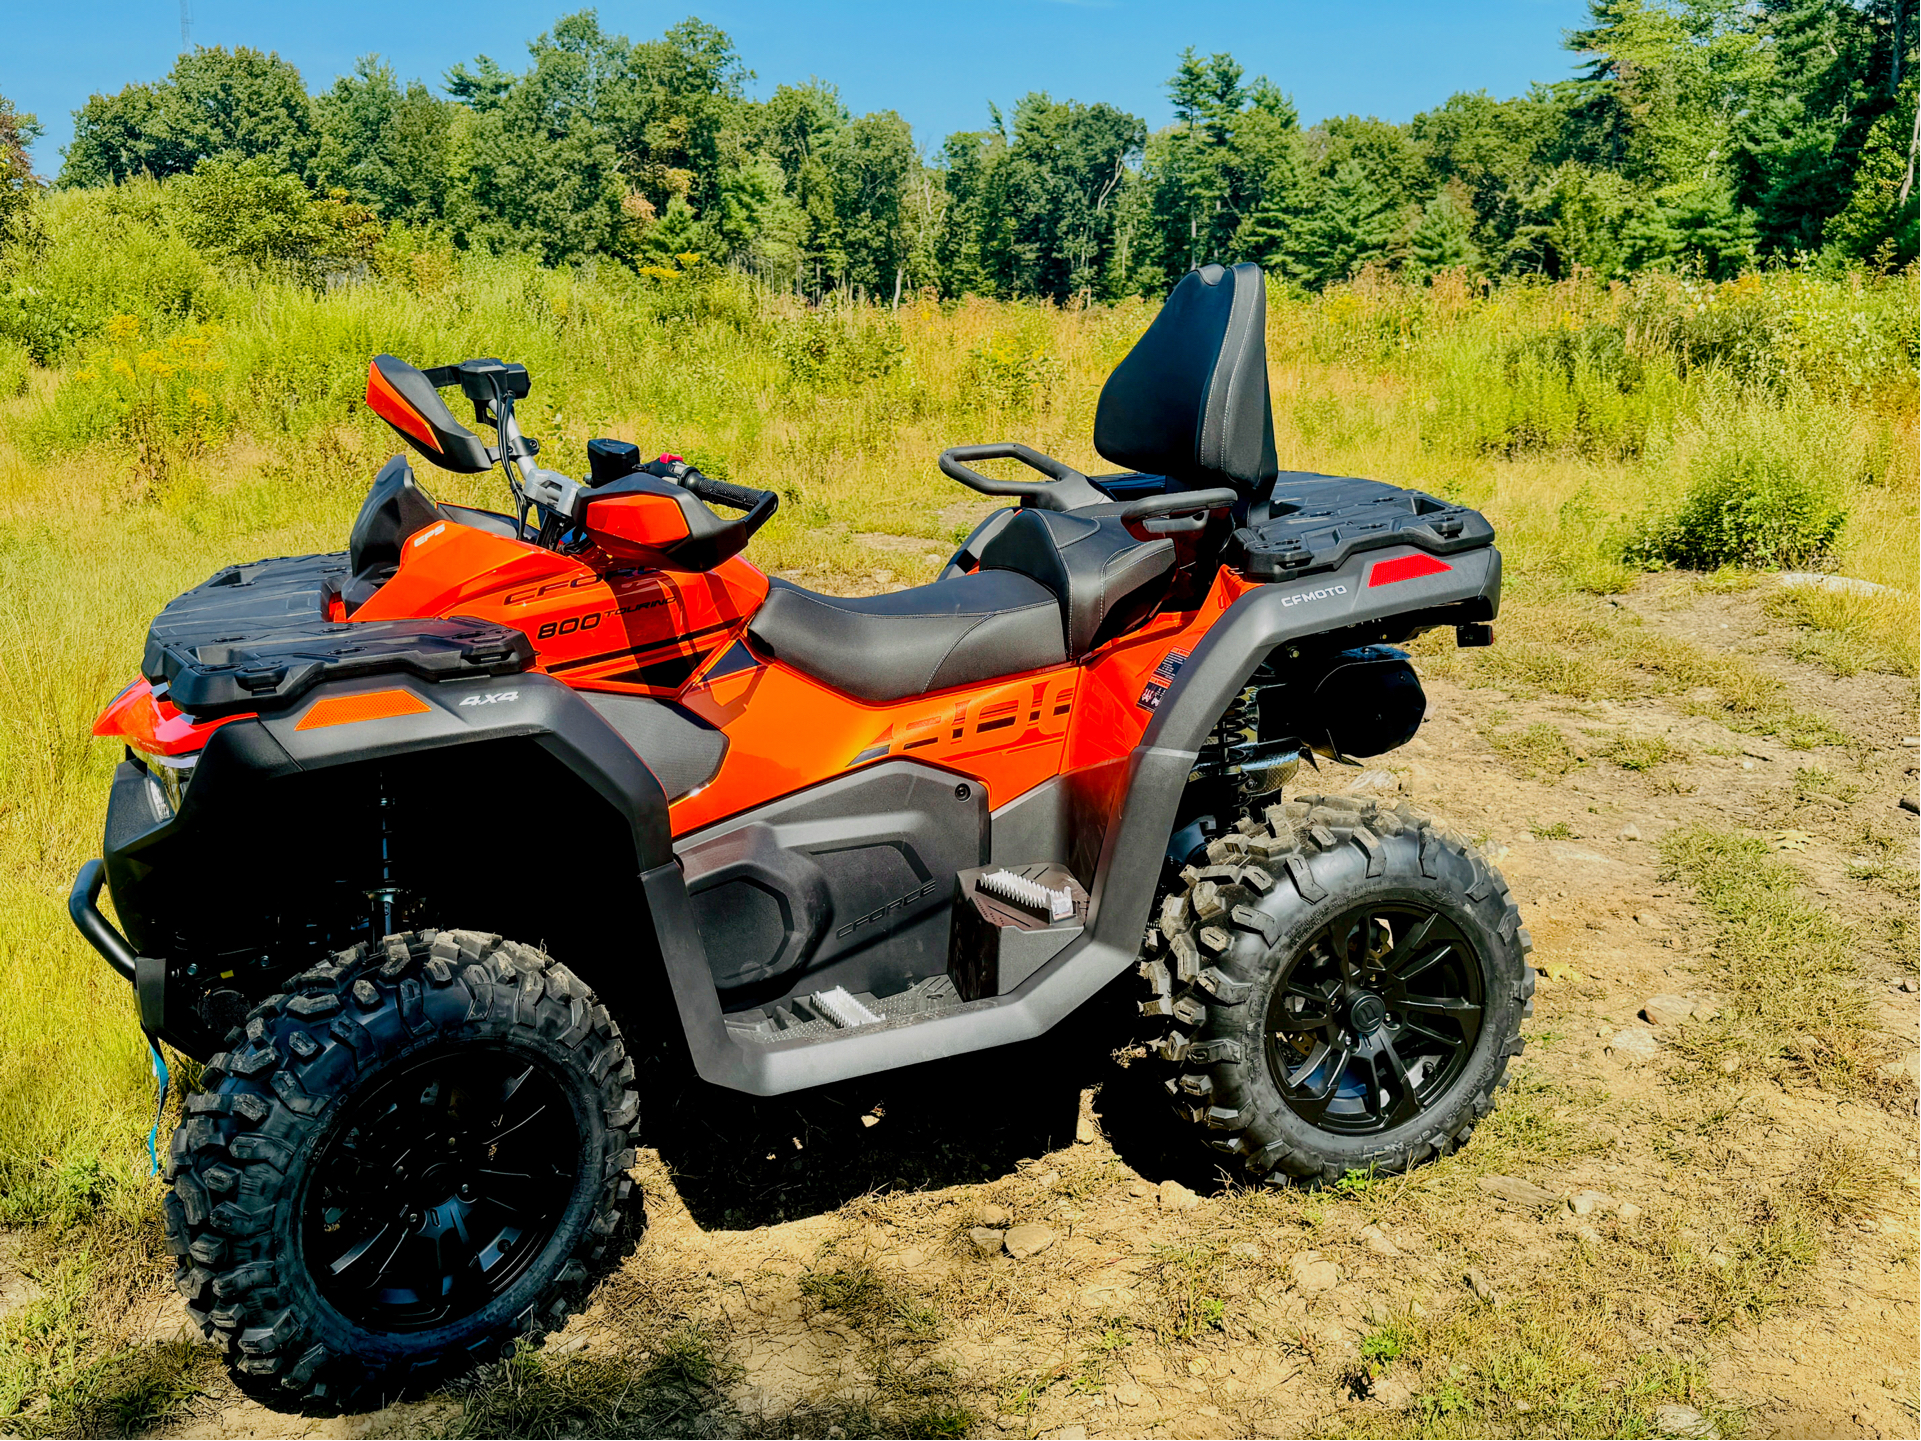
(600, 625)
(786, 731)
(144, 723)
(593, 622)
(647, 522)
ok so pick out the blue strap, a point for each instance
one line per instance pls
(160, 1106)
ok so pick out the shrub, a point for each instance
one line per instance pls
(1763, 488)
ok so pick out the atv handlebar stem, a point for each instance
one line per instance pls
(1066, 488)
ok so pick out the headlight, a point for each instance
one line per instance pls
(167, 779)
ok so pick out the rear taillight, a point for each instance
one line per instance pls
(167, 779)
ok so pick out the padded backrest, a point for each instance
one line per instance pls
(1106, 581)
(1190, 400)
(395, 508)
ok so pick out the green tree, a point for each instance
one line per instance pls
(1495, 152)
(1879, 224)
(1834, 68)
(388, 147)
(1443, 238)
(1208, 172)
(18, 183)
(1053, 202)
(870, 160)
(1353, 224)
(238, 103)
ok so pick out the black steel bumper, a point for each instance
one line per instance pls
(147, 976)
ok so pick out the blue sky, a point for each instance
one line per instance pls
(938, 65)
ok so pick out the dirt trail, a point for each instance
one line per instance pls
(844, 1258)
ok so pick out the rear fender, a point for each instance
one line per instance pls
(1363, 601)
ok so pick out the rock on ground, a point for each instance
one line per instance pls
(1632, 1044)
(1313, 1275)
(1677, 1420)
(1667, 1010)
(1029, 1240)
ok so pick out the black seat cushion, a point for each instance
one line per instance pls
(1105, 580)
(1190, 400)
(888, 647)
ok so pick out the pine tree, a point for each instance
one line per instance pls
(1443, 238)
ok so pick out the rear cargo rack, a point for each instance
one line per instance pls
(1315, 522)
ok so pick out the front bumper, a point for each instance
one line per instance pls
(147, 976)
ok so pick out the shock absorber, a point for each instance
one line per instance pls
(1259, 766)
(384, 895)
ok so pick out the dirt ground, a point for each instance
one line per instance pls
(839, 1263)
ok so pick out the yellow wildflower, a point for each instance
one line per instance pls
(123, 327)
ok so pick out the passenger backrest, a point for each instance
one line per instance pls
(395, 508)
(1190, 400)
(1106, 581)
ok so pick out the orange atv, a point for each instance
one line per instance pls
(830, 836)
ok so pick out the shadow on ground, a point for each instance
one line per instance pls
(743, 1161)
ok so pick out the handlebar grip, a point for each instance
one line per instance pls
(760, 505)
(721, 491)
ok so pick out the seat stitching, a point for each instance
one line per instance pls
(927, 683)
(1127, 559)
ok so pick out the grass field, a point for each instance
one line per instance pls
(159, 418)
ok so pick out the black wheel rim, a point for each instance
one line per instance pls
(440, 1188)
(1375, 1018)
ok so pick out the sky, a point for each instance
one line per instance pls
(939, 65)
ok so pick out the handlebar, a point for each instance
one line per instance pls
(760, 505)
(1067, 488)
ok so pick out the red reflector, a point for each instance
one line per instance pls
(1406, 567)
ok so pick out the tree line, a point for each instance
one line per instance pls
(1708, 135)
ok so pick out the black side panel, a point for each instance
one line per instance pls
(681, 750)
(511, 808)
(847, 883)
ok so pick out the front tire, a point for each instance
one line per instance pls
(399, 1165)
(1346, 983)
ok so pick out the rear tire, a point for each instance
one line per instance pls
(1346, 984)
(408, 1159)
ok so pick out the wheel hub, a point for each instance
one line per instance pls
(1366, 1013)
(442, 1186)
(1375, 1016)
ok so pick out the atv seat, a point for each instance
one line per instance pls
(1050, 588)
(888, 647)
